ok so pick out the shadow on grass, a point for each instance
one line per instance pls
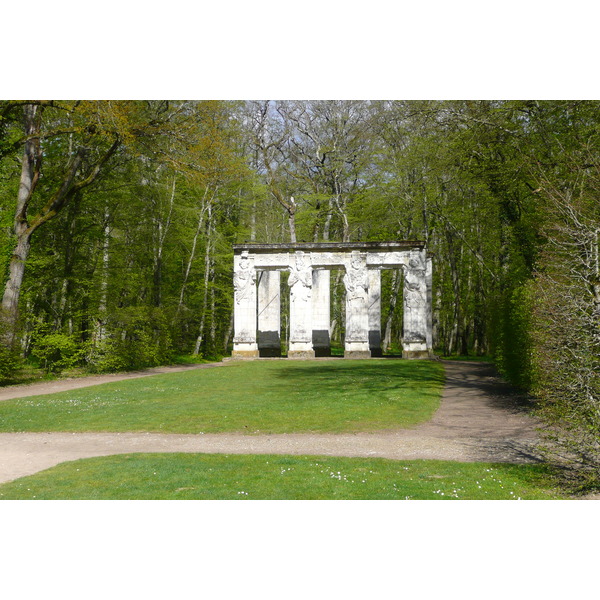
(380, 375)
(513, 451)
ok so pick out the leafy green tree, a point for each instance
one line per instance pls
(66, 147)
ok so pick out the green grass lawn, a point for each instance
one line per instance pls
(467, 358)
(270, 477)
(251, 397)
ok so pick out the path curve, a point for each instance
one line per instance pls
(10, 392)
(480, 419)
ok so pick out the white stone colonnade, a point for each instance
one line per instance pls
(257, 300)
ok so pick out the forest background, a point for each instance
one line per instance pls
(118, 219)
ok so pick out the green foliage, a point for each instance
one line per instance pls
(136, 338)
(10, 362)
(177, 476)
(57, 351)
(511, 335)
(566, 332)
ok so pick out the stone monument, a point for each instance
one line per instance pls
(257, 314)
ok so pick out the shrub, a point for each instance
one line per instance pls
(10, 362)
(57, 351)
(511, 335)
(136, 338)
(566, 329)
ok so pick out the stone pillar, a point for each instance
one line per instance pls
(269, 308)
(415, 330)
(374, 308)
(429, 285)
(300, 282)
(244, 306)
(321, 319)
(356, 280)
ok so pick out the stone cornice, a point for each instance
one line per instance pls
(329, 246)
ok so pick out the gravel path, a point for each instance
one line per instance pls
(480, 419)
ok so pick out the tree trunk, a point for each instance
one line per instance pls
(228, 333)
(30, 173)
(292, 224)
(100, 325)
(161, 234)
(207, 261)
(190, 262)
(12, 291)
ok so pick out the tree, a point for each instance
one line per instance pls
(328, 153)
(268, 137)
(49, 130)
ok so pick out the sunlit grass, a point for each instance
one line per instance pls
(250, 397)
(270, 477)
(468, 358)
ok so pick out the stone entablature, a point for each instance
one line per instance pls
(256, 315)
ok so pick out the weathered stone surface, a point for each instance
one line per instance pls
(415, 328)
(301, 354)
(356, 281)
(245, 354)
(324, 247)
(357, 354)
(244, 282)
(429, 308)
(300, 282)
(308, 266)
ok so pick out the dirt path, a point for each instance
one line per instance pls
(480, 419)
(72, 383)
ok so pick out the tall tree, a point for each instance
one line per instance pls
(80, 169)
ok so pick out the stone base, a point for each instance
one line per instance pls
(356, 354)
(319, 352)
(244, 354)
(269, 352)
(301, 354)
(416, 354)
(268, 341)
(375, 343)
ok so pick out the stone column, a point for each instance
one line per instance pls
(374, 308)
(415, 334)
(429, 285)
(269, 309)
(356, 280)
(321, 319)
(244, 306)
(300, 282)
